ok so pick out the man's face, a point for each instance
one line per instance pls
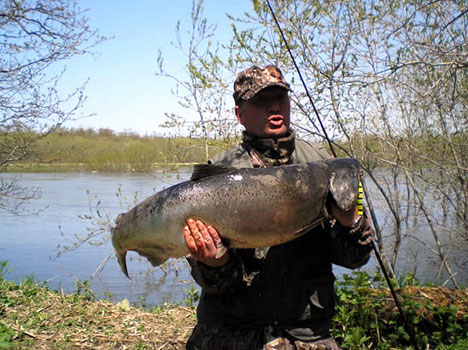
(267, 114)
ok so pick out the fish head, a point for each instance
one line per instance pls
(129, 234)
(120, 253)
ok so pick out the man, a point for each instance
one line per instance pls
(279, 297)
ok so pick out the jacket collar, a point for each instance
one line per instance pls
(268, 152)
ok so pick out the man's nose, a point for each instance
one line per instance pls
(274, 105)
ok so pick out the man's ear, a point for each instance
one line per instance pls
(238, 112)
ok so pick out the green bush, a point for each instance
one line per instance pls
(6, 336)
(366, 316)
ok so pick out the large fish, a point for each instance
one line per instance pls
(249, 207)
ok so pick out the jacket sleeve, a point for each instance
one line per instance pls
(351, 247)
(218, 280)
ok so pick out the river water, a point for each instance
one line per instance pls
(29, 242)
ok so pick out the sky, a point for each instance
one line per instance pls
(123, 92)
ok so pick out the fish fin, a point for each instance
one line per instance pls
(205, 170)
(344, 183)
(156, 261)
(119, 218)
(310, 226)
(152, 254)
(123, 263)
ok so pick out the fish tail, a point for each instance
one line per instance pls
(122, 262)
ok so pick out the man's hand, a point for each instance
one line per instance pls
(346, 218)
(203, 243)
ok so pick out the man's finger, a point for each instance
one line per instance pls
(214, 235)
(221, 250)
(207, 239)
(196, 234)
(190, 241)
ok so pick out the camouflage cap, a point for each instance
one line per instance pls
(249, 82)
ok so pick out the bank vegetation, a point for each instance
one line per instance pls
(34, 317)
(105, 150)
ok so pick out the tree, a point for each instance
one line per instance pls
(34, 36)
(201, 88)
(389, 80)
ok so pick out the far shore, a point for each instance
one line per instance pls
(84, 167)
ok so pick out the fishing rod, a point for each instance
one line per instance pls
(406, 324)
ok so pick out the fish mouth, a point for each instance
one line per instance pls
(152, 253)
(121, 258)
(119, 253)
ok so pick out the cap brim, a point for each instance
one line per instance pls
(252, 93)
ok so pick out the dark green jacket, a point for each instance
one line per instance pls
(290, 285)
